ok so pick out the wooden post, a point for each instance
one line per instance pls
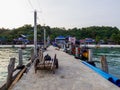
(104, 64)
(10, 72)
(90, 55)
(40, 55)
(20, 58)
(32, 55)
(70, 48)
(76, 52)
(48, 41)
(64, 48)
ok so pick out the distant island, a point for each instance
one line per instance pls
(101, 34)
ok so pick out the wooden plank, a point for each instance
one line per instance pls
(17, 78)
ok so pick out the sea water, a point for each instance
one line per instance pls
(113, 59)
(5, 55)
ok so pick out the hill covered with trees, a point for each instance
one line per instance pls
(96, 32)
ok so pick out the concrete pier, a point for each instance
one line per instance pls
(71, 75)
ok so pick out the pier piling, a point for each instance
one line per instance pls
(10, 72)
(32, 55)
(20, 58)
(104, 64)
(90, 55)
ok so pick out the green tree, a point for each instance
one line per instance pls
(97, 39)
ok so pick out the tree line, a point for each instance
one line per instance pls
(98, 33)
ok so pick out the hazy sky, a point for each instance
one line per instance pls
(60, 13)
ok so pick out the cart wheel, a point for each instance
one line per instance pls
(35, 67)
(56, 63)
(53, 68)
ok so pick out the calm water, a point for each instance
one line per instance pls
(5, 55)
(113, 59)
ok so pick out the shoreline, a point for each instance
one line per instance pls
(88, 45)
(8, 46)
(102, 46)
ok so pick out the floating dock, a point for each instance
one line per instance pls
(72, 74)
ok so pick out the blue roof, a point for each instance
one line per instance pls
(60, 37)
(89, 40)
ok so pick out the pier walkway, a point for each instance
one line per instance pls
(71, 75)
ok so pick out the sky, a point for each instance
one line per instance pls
(60, 13)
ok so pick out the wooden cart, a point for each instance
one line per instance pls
(46, 63)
